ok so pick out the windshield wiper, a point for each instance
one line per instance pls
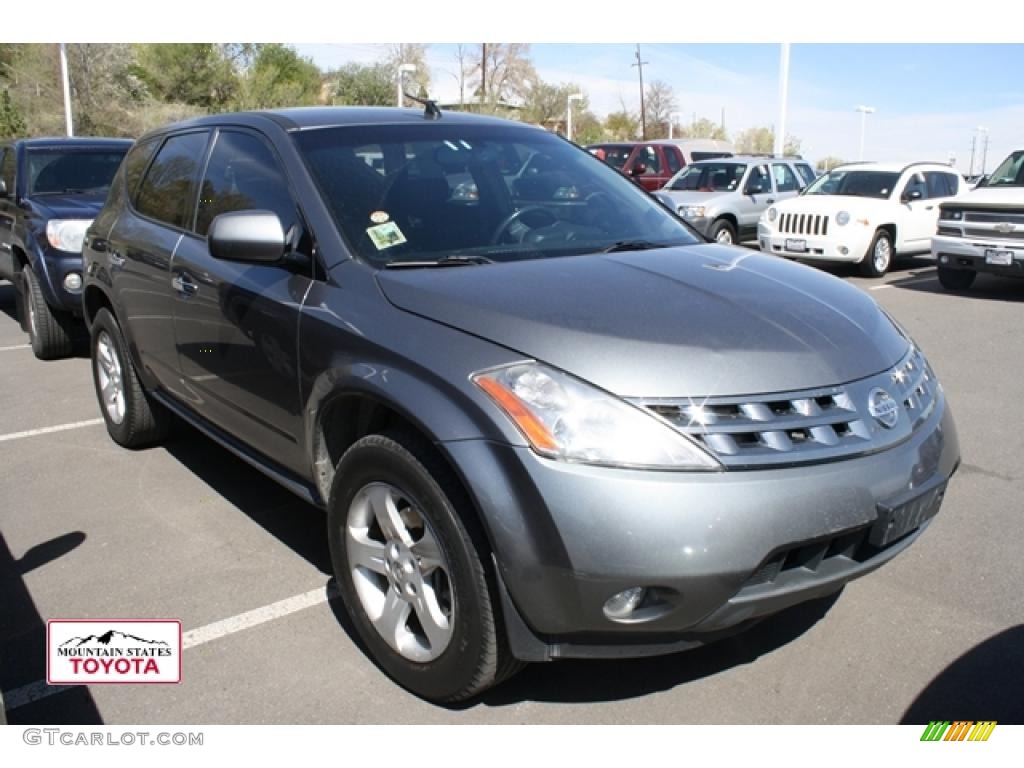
(633, 245)
(447, 261)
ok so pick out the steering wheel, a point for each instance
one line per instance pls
(515, 216)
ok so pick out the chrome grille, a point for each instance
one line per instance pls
(994, 234)
(804, 426)
(994, 217)
(803, 224)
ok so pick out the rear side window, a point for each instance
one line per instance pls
(673, 159)
(135, 165)
(807, 172)
(941, 184)
(785, 179)
(243, 175)
(168, 190)
(649, 157)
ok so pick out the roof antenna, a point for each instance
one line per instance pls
(430, 110)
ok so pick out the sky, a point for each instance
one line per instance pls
(929, 98)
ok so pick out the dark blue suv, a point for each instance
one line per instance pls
(50, 191)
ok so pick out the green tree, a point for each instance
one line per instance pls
(702, 129)
(363, 84)
(12, 124)
(278, 77)
(504, 75)
(761, 141)
(621, 126)
(200, 74)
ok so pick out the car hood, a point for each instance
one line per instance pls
(998, 197)
(690, 197)
(82, 206)
(703, 320)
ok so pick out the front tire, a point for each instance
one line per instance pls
(412, 567)
(722, 232)
(133, 419)
(49, 330)
(878, 259)
(956, 279)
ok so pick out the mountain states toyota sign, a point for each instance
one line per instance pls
(90, 651)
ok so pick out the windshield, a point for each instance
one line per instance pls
(709, 177)
(854, 184)
(68, 171)
(1010, 172)
(418, 193)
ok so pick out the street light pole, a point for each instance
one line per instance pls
(864, 112)
(780, 132)
(672, 122)
(984, 148)
(402, 69)
(568, 112)
(67, 89)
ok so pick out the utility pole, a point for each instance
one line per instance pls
(643, 115)
(974, 144)
(984, 149)
(483, 73)
(67, 89)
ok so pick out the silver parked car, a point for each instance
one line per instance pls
(544, 419)
(724, 198)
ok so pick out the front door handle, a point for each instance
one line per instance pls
(116, 259)
(929, 207)
(770, 200)
(183, 284)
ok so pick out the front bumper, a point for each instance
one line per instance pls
(720, 549)
(967, 254)
(818, 248)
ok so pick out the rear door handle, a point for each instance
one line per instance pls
(183, 284)
(770, 200)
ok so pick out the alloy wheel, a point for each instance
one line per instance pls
(400, 573)
(108, 371)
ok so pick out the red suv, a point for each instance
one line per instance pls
(652, 163)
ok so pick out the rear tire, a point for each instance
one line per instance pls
(879, 257)
(50, 331)
(427, 558)
(132, 417)
(956, 279)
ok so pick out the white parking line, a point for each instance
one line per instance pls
(48, 430)
(901, 283)
(40, 689)
(16, 346)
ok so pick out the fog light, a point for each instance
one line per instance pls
(944, 259)
(73, 281)
(622, 605)
(843, 250)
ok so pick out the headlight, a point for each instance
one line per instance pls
(954, 214)
(843, 218)
(566, 419)
(772, 214)
(67, 234)
(691, 211)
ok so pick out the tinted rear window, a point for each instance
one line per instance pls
(72, 171)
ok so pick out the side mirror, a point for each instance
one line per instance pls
(914, 194)
(753, 189)
(251, 236)
(638, 170)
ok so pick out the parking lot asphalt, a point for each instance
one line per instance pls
(187, 531)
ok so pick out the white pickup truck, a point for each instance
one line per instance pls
(983, 231)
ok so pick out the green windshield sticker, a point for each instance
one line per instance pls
(386, 235)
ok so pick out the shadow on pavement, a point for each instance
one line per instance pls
(297, 524)
(7, 305)
(986, 683)
(23, 640)
(575, 681)
(986, 287)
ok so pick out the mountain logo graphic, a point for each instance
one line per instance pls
(110, 638)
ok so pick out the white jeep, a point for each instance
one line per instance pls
(866, 213)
